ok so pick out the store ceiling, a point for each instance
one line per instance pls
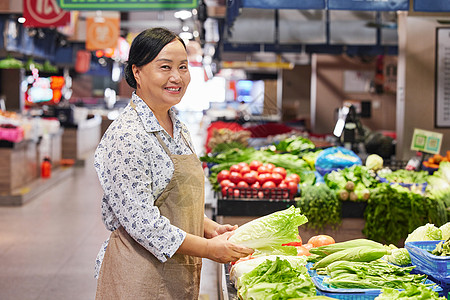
(256, 34)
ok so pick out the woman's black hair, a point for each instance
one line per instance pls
(145, 47)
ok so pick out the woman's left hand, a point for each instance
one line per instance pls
(213, 229)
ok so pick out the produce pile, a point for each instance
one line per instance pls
(280, 268)
(395, 202)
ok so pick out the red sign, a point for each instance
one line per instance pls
(44, 13)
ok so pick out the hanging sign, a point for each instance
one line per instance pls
(426, 141)
(101, 33)
(284, 4)
(126, 5)
(44, 13)
(432, 5)
(377, 5)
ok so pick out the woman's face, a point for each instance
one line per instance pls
(163, 82)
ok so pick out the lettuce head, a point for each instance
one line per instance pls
(427, 232)
(278, 228)
(445, 230)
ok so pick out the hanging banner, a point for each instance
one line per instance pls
(101, 33)
(44, 13)
(126, 5)
(377, 5)
(284, 4)
(432, 5)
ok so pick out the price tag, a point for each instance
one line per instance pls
(426, 141)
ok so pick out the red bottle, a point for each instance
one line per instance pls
(46, 168)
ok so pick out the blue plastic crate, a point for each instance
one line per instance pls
(438, 267)
(350, 294)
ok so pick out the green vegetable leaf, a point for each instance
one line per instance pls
(271, 230)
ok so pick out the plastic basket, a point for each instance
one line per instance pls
(244, 193)
(438, 267)
(349, 294)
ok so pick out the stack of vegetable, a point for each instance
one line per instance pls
(224, 139)
(360, 250)
(320, 205)
(257, 180)
(353, 183)
(393, 212)
(410, 292)
(274, 271)
(435, 160)
(442, 248)
(295, 145)
(223, 161)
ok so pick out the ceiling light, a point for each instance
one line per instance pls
(186, 35)
(21, 20)
(182, 14)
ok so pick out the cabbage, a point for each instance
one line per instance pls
(242, 267)
(374, 162)
(445, 230)
(276, 279)
(427, 232)
(398, 256)
(278, 228)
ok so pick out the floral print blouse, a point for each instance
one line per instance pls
(133, 170)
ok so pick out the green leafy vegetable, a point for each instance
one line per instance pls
(295, 145)
(410, 292)
(445, 230)
(278, 228)
(276, 280)
(392, 212)
(427, 232)
(366, 275)
(320, 205)
(398, 256)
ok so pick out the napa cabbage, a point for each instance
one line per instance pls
(275, 229)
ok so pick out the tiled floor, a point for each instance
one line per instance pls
(48, 246)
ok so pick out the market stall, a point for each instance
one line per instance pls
(353, 269)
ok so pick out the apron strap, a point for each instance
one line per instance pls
(159, 138)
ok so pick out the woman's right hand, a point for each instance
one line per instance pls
(222, 251)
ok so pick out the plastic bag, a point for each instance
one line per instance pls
(336, 158)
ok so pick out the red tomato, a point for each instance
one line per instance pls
(243, 164)
(235, 177)
(263, 170)
(254, 165)
(294, 176)
(242, 184)
(277, 178)
(225, 188)
(269, 167)
(224, 174)
(321, 240)
(293, 187)
(269, 185)
(283, 185)
(256, 185)
(237, 193)
(235, 168)
(302, 251)
(245, 169)
(250, 178)
(264, 177)
(225, 182)
(280, 170)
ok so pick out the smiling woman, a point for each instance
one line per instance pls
(153, 185)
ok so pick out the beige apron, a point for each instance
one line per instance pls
(129, 271)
